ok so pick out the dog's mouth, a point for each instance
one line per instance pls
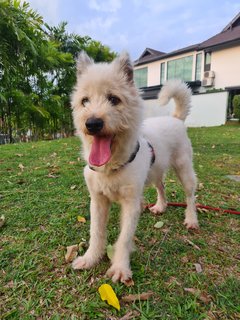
(100, 152)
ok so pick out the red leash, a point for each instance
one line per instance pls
(200, 206)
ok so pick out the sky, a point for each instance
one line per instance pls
(134, 25)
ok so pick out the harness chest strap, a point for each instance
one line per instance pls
(152, 152)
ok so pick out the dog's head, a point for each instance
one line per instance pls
(106, 106)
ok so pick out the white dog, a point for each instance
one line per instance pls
(124, 153)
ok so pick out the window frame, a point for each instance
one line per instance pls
(207, 61)
(162, 72)
(198, 66)
(185, 72)
(139, 79)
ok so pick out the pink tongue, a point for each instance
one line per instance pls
(101, 152)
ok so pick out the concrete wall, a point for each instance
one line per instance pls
(208, 109)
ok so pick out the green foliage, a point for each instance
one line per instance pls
(37, 72)
(236, 106)
(214, 90)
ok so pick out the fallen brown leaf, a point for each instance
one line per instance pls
(205, 298)
(21, 181)
(184, 259)
(202, 210)
(198, 267)
(21, 166)
(129, 283)
(136, 239)
(82, 245)
(53, 155)
(2, 221)
(50, 175)
(200, 186)
(43, 228)
(172, 281)
(202, 296)
(71, 254)
(10, 284)
(152, 241)
(192, 244)
(130, 315)
(192, 290)
(91, 281)
(141, 296)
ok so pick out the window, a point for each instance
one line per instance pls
(198, 66)
(162, 73)
(140, 77)
(207, 61)
(180, 68)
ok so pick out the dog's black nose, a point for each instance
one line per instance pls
(94, 125)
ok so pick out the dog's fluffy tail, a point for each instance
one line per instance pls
(181, 94)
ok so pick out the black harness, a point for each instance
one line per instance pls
(152, 152)
(133, 155)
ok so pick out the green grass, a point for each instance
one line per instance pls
(41, 206)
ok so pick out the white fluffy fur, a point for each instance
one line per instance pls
(114, 182)
(182, 96)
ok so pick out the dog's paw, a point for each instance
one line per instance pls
(119, 273)
(84, 262)
(158, 208)
(191, 224)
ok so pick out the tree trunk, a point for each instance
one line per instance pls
(9, 121)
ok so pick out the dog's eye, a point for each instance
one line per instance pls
(114, 100)
(85, 100)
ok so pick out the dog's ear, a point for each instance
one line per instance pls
(125, 65)
(83, 62)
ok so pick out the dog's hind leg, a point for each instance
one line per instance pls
(120, 269)
(187, 177)
(161, 203)
(99, 208)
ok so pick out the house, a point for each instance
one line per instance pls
(212, 67)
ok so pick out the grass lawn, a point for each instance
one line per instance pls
(42, 192)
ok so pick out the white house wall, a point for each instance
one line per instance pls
(226, 65)
(153, 78)
(153, 74)
(207, 109)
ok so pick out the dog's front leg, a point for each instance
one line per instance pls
(99, 208)
(120, 269)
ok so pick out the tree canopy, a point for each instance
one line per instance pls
(37, 72)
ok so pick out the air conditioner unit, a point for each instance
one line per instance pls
(209, 74)
(207, 82)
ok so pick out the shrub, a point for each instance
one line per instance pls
(236, 106)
